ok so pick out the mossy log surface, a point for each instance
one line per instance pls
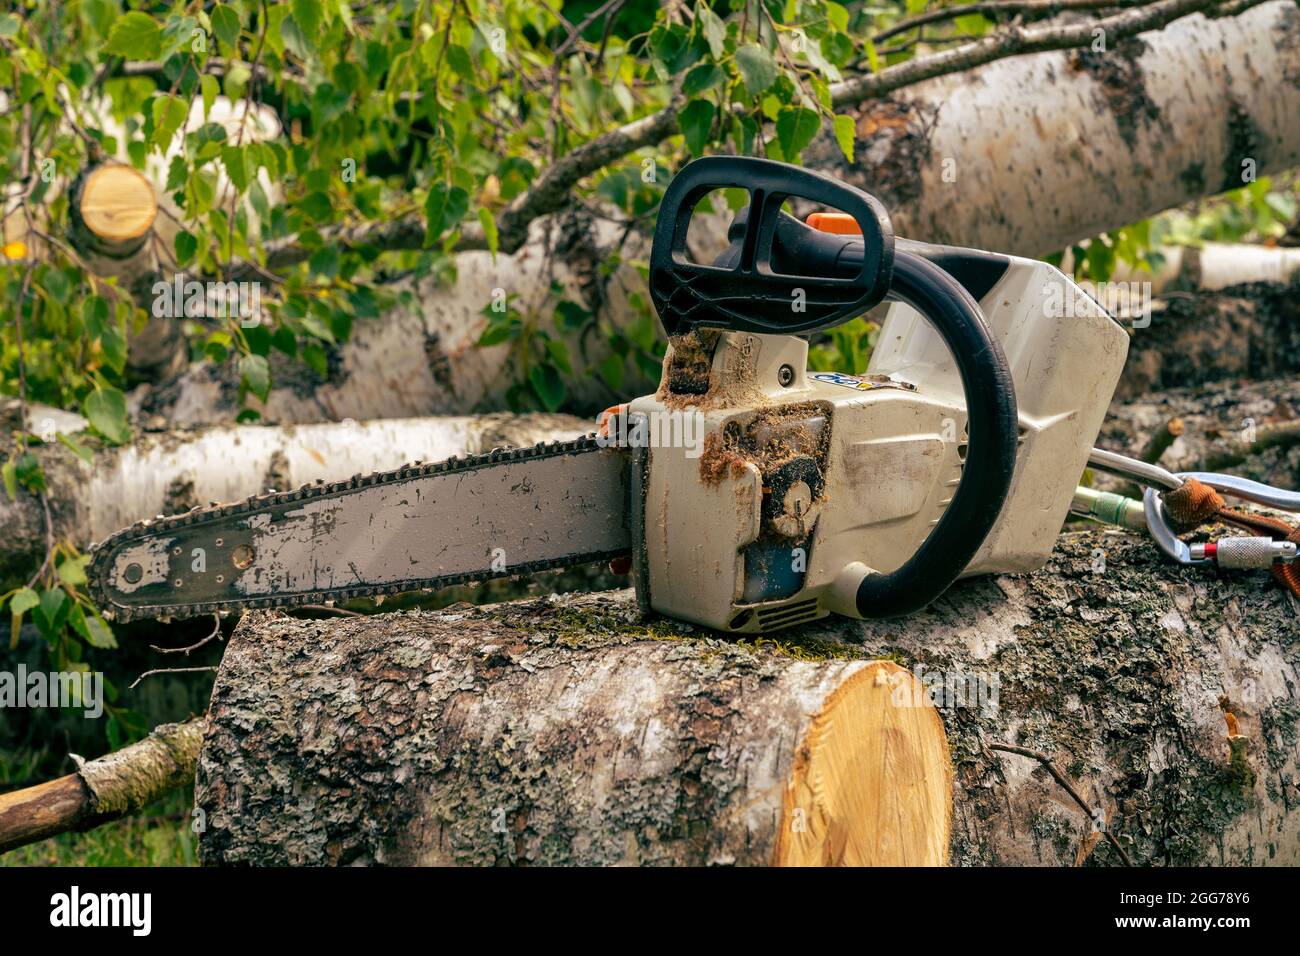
(327, 745)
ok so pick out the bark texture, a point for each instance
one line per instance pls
(1251, 429)
(1215, 265)
(1030, 154)
(322, 747)
(1249, 331)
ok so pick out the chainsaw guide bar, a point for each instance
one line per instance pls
(505, 513)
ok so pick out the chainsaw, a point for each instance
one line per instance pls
(748, 493)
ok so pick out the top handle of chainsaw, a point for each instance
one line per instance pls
(774, 261)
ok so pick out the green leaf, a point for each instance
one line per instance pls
(611, 371)
(973, 24)
(135, 36)
(256, 375)
(715, 33)
(225, 24)
(696, 120)
(210, 88)
(324, 262)
(88, 623)
(571, 316)
(837, 16)
(443, 209)
(105, 409)
(457, 206)
(10, 474)
(489, 225)
(706, 76)
(317, 206)
(559, 354)
(30, 475)
(78, 449)
(547, 386)
(757, 67)
(177, 173)
(795, 129)
(72, 571)
(233, 158)
(873, 57)
(295, 40)
(497, 331)
(186, 245)
(309, 15)
(459, 60)
(169, 112)
(846, 135)
(22, 602)
(98, 633)
(51, 612)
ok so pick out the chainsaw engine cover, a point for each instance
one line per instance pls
(796, 485)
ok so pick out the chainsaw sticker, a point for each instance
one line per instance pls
(848, 381)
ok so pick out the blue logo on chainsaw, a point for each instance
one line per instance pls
(848, 381)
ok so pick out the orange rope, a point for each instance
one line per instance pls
(1196, 503)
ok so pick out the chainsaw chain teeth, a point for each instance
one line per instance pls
(99, 564)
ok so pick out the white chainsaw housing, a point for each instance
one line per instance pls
(888, 446)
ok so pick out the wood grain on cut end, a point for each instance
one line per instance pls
(117, 203)
(871, 783)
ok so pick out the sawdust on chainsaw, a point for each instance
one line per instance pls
(726, 453)
(719, 461)
(688, 381)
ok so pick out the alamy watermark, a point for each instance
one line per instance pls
(133, 911)
(1129, 299)
(678, 428)
(23, 688)
(950, 689)
(191, 299)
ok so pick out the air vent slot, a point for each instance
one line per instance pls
(787, 615)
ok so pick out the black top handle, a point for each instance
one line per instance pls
(754, 286)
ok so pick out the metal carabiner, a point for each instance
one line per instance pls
(1230, 552)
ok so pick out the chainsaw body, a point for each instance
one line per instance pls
(795, 486)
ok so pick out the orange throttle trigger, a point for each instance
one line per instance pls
(839, 223)
(603, 420)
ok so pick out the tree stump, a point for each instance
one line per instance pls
(112, 208)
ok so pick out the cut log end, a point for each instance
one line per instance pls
(559, 732)
(117, 204)
(872, 783)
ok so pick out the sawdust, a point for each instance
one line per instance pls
(720, 461)
(687, 369)
(769, 439)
